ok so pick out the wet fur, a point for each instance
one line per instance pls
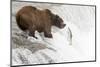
(32, 19)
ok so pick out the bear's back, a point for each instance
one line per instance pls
(29, 16)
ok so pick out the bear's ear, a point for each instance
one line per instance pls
(57, 16)
(48, 11)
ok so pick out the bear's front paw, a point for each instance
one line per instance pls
(48, 35)
(35, 37)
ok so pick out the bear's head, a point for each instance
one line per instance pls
(58, 22)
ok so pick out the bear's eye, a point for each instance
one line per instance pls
(61, 20)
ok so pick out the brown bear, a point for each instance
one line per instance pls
(31, 19)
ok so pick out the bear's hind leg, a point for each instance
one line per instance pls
(32, 32)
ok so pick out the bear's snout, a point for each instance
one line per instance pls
(63, 25)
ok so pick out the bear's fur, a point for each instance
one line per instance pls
(30, 19)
